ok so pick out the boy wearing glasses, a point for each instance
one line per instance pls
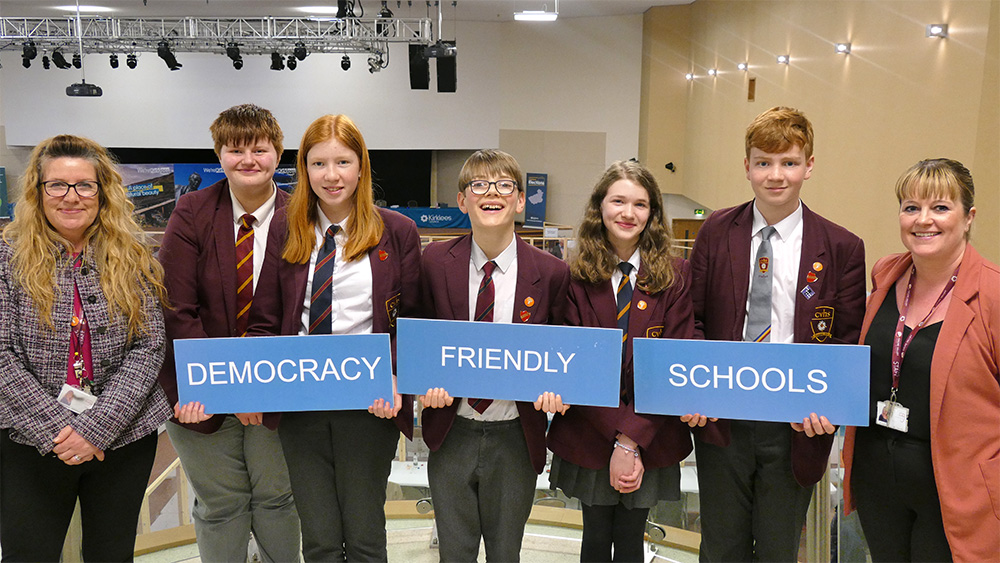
(485, 455)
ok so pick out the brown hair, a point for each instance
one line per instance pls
(938, 178)
(490, 163)
(595, 260)
(364, 225)
(778, 129)
(245, 124)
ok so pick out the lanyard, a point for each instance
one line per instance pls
(899, 347)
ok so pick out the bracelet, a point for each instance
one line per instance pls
(633, 451)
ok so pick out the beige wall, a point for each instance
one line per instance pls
(897, 98)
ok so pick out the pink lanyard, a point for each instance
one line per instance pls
(899, 347)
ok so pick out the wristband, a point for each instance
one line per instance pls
(633, 451)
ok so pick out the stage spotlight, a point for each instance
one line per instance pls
(345, 63)
(113, 60)
(131, 60)
(292, 62)
(233, 52)
(25, 62)
(277, 61)
(384, 29)
(300, 51)
(77, 60)
(45, 62)
(28, 53)
(163, 51)
(59, 60)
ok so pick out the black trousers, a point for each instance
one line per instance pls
(893, 484)
(617, 526)
(338, 464)
(38, 494)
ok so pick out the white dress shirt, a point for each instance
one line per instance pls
(616, 276)
(351, 311)
(261, 225)
(786, 253)
(504, 285)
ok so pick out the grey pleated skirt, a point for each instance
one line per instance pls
(593, 486)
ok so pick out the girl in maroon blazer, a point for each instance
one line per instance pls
(337, 264)
(626, 275)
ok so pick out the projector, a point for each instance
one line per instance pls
(440, 49)
(82, 89)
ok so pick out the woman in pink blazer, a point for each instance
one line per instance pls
(925, 474)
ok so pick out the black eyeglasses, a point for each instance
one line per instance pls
(60, 189)
(504, 187)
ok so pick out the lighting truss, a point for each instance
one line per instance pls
(255, 36)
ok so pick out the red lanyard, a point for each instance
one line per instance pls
(899, 347)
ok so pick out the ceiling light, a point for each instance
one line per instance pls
(783, 59)
(689, 76)
(131, 60)
(277, 61)
(713, 72)
(292, 62)
(233, 52)
(163, 51)
(842, 48)
(300, 51)
(59, 60)
(743, 66)
(45, 62)
(543, 15)
(113, 60)
(937, 30)
(77, 60)
(86, 9)
(345, 63)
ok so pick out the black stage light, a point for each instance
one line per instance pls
(113, 59)
(45, 62)
(59, 60)
(345, 63)
(233, 52)
(300, 51)
(292, 62)
(277, 61)
(25, 62)
(28, 53)
(77, 60)
(163, 51)
(131, 60)
(384, 29)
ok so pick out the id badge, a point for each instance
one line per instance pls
(75, 399)
(893, 415)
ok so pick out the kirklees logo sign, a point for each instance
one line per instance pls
(508, 361)
(284, 373)
(752, 381)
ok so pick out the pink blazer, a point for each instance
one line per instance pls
(965, 404)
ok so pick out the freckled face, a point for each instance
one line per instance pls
(625, 211)
(334, 171)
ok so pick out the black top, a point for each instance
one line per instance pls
(914, 376)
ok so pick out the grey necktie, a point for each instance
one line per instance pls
(759, 317)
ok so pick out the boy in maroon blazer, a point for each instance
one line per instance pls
(485, 455)
(755, 493)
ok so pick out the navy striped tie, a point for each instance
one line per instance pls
(321, 302)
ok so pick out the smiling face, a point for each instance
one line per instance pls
(491, 212)
(334, 170)
(249, 167)
(625, 211)
(70, 215)
(934, 228)
(776, 179)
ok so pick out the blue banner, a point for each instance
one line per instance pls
(284, 373)
(534, 199)
(515, 362)
(752, 381)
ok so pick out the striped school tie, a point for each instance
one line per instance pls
(623, 297)
(484, 312)
(321, 300)
(244, 273)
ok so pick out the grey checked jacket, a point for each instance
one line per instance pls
(34, 359)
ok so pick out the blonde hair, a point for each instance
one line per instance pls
(364, 225)
(596, 259)
(778, 129)
(129, 275)
(938, 178)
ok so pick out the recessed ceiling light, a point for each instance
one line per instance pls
(689, 76)
(783, 59)
(842, 48)
(712, 72)
(937, 30)
(742, 66)
(86, 8)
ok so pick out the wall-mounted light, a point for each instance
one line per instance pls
(689, 76)
(937, 30)
(842, 48)
(713, 71)
(743, 66)
(783, 59)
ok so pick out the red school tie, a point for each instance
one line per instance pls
(244, 273)
(484, 312)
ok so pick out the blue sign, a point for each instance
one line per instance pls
(752, 381)
(516, 362)
(284, 373)
(436, 217)
(534, 204)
